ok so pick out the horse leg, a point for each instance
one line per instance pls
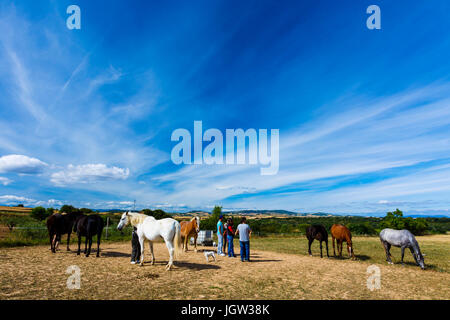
(340, 243)
(68, 240)
(171, 249)
(85, 244)
(141, 243)
(310, 241)
(321, 248)
(403, 254)
(150, 244)
(195, 242)
(387, 247)
(99, 235)
(52, 242)
(79, 244)
(186, 239)
(334, 250)
(326, 244)
(90, 244)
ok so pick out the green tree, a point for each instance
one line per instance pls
(211, 222)
(393, 220)
(49, 211)
(158, 213)
(217, 211)
(39, 213)
(68, 209)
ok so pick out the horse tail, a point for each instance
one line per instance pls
(177, 240)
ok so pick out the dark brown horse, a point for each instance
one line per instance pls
(59, 224)
(190, 229)
(317, 232)
(342, 233)
(89, 226)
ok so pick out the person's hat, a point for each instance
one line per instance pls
(221, 216)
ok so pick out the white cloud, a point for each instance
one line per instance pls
(89, 173)
(21, 164)
(10, 199)
(14, 200)
(5, 181)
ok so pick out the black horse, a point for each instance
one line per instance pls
(318, 232)
(89, 226)
(59, 224)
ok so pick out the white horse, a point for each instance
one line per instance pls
(151, 229)
(403, 239)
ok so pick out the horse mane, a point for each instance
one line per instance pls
(137, 218)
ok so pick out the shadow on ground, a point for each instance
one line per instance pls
(114, 254)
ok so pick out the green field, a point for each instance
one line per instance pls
(367, 249)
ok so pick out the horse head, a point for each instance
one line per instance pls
(420, 259)
(123, 221)
(197, 224)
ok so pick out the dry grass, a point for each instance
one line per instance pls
(22, 210)
(36, 273)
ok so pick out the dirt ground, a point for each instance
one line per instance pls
(36, 273)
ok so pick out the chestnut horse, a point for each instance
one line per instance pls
(59, 224)
(342, 233)
(190, 229)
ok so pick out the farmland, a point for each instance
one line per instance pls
(280, 270)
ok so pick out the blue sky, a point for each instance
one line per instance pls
(86, 115)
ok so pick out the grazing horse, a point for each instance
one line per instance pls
(88, 226)
(59, 224)
(318, 232)
(151, 229)
(342, 233)
(190, 229)
(403, 239)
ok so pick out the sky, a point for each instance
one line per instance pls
(86, 116)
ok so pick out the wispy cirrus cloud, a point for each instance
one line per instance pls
(357, 123)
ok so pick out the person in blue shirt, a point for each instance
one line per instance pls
(220, 230)
(244, 231)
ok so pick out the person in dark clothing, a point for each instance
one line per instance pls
(136, 247)
(230, 237)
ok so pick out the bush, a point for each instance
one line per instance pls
(395, 220)
(39, 213)
(68, 209)
(158, 213)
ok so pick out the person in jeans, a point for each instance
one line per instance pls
(135, 247)
(244, 231)
(230, 237)
(220, 231)
(225, 242)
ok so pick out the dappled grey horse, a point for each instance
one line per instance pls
(403, 239)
